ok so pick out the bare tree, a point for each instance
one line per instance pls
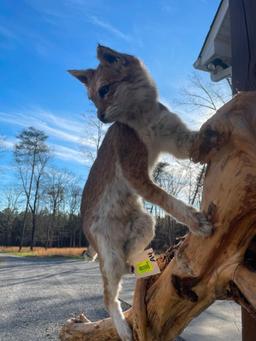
(200, 94)
(11, 202)
(191, 176)
(170, 178)
(63, 196)
(31, 155)
(12, 196)
(95, 133)
(176, 178)
(54, 193)
(73, 207)
(205, 97)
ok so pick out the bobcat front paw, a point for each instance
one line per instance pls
(202, 226)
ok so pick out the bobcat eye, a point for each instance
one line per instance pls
(103, 90)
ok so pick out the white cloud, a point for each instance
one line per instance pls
(109, 27)
(69, 154)
(70, 135)
(68, 130)
(59, 151)
(9, 144)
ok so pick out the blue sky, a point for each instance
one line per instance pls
(41, 39)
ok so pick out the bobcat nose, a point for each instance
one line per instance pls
(101, 116)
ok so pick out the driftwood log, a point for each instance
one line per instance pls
(199, 271)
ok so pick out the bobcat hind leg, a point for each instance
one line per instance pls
(113, 268)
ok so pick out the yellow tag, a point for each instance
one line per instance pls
(145, 264)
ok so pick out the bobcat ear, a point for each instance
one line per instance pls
(108, 56)
(85, 76)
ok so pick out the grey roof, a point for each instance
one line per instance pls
(215, 55)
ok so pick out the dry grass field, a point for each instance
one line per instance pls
(42, 252)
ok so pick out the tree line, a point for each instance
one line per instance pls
(43, 208)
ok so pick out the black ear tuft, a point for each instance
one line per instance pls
(110, 58)
(107, 55)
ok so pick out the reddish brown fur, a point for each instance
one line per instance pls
(121, 145)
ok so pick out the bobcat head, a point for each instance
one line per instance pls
(120, 87)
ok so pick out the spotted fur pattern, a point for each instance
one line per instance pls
(114, 219)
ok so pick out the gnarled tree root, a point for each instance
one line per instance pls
(202, 270)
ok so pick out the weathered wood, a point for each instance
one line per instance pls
(78, 329)
(248, 326)
(246, 283)
(243, 44)
(202, 270)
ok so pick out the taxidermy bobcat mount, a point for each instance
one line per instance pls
(114, 219)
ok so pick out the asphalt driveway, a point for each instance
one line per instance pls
(38, 295)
